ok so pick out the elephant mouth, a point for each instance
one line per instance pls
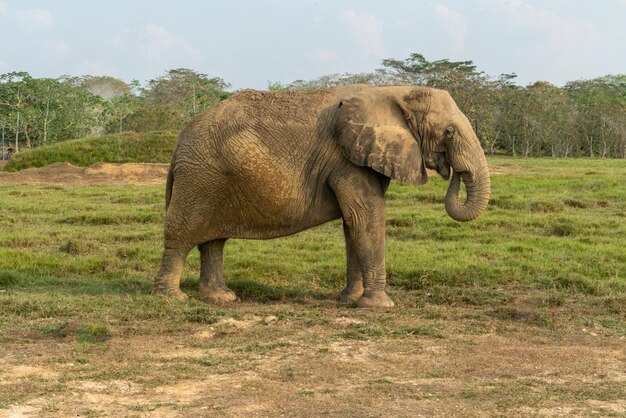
(442, 166)
(444, 172)
(439, 163)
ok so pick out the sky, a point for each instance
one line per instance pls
(249, 43)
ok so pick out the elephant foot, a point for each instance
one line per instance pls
(217, 296)
(351, 293)
(170, 293)
(374, 300)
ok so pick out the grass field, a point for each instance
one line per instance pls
(143, 147)
(521, 312)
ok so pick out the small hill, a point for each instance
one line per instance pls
(127, 147)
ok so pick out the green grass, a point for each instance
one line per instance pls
(146, 147)
(92, 333)
(103, 241)
(544, 265)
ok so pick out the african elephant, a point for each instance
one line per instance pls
(262, 165)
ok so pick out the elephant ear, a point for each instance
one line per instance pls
(375, 129)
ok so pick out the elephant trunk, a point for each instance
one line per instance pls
(478, 187)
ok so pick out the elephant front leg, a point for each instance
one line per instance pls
(354, 286)
(370, 247)
(212, 285)
(363, 209)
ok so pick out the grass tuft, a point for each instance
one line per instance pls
(577, 203)
(517, 315)
(562, 228)
(547, 206)
(8, 278)
(419, 332)
(93, 333)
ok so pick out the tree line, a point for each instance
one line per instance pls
(41, 111)
(583, 118)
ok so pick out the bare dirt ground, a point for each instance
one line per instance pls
(128, 173)
(260, 365)
(97, 174)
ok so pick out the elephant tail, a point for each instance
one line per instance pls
(169, 185)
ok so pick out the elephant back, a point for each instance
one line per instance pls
(281, 107)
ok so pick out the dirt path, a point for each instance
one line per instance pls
(263, 365)
(103, 174)
(97, 174)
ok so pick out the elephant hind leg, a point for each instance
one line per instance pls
(212, 285)
(167, 282)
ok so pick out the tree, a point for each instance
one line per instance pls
(84, 111)
(185, 92)
(471, 89)
(600, 105)
(107, 88)
(584, 118)
(377, 77)
(118, 109)
(14, 98)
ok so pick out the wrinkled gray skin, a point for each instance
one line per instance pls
(268, 164)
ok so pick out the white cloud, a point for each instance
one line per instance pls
(3, 7)
(453, 23)
(560, 30)
(159, 43)
(155, 48)
(565, 46)
(367, 30)
(33, 19)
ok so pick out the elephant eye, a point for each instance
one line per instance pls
(449, 132)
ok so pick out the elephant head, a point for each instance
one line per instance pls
(400, 131)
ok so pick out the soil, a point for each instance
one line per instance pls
(308, 372)
(98, 174)
(103, 174)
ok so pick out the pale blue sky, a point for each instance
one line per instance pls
(251, 42)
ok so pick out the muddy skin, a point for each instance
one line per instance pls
(268, 164)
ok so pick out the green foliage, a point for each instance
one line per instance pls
(171, 101)
(107, 88)
(583, 118)
(332, 80)
(185, 90)
(38, 112)
(149, 147)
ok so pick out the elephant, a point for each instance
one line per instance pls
(266, 164)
